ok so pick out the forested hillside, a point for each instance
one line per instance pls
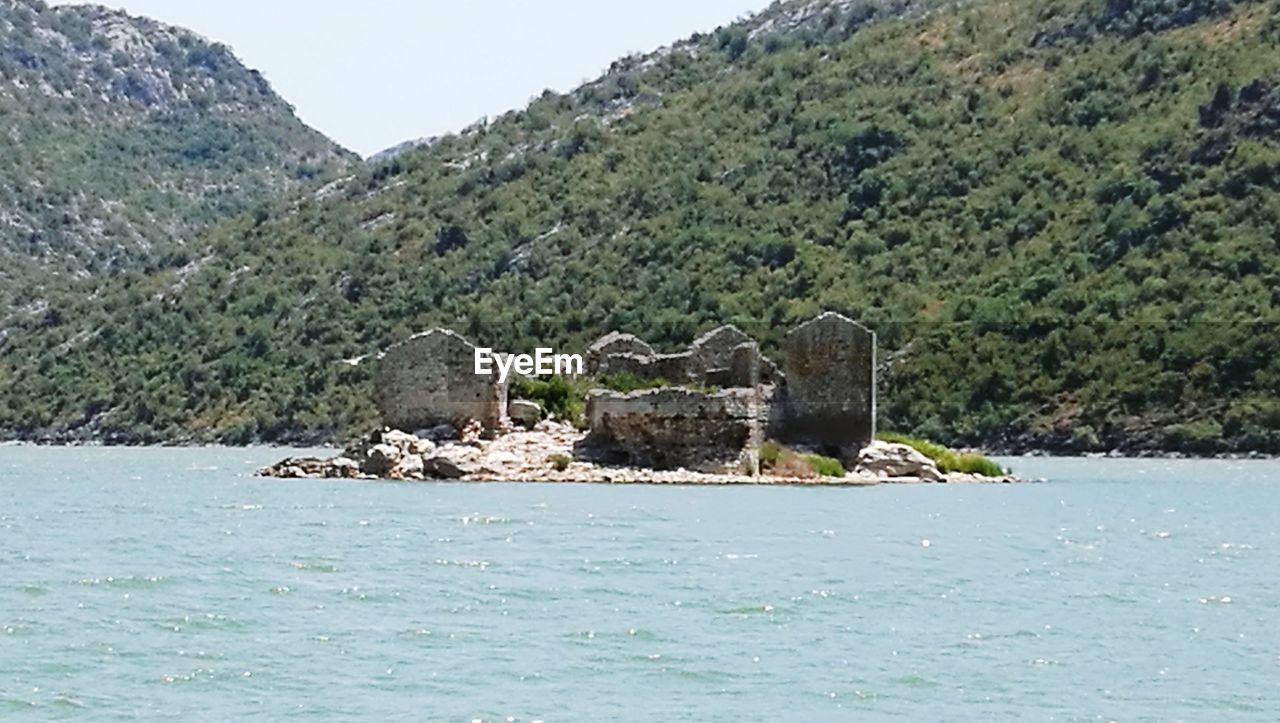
(1061, 217)
(122, 138)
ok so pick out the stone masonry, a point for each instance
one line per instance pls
(830, 399)
(671, 428)
(430, 380)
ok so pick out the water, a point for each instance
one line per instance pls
(171, 583)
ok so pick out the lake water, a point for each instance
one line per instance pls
(172, 583)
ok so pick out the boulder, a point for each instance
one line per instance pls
(409, 467)
(891, 461)
(342, 468)
(294, 468)
(448, 468)
(439, 434)
(524, 413)
(408, 443)
(381, 459)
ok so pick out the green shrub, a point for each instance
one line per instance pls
(560, 462)
(948, 460)
(974, 463)
(788, 463)
(770, 453)
(562, 399)
(823, 466)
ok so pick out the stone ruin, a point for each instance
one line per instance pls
(670, 428)
(824, 399)
(723, 398)
(429, 380)
(830, 398)
(707, 362)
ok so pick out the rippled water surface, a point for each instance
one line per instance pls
(172, 583)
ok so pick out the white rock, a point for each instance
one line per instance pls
(891, 461)
(342, 467)
(410, 467)
(524, 413)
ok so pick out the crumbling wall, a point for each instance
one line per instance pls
(430, 379)
(672, 428)
(830, 399)
(612, 344)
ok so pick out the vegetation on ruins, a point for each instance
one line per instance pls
(1061, 219)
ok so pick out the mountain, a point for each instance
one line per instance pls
(123, 138)
(1061, 218)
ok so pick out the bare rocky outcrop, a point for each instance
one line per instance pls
(549, 453)
(883, 460)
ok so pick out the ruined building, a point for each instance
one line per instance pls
(722, 397)
(430, 380)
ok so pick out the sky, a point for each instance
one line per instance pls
(374, 73)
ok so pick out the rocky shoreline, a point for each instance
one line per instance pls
(552, 453)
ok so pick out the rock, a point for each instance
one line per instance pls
(381, 460)
(503, 463)
(448, 468)
(342, 468)
(891, 461)
(524, 413)
(410, 467)
(471, 433)
(297, 468)
(439, 434)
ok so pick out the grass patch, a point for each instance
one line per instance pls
(560, 462)
(948, 460)
(783, 462)
(823, 466)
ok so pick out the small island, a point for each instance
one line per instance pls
(718, 413)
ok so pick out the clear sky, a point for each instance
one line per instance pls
(373, 73)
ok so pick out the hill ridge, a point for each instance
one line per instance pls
(1026, 224)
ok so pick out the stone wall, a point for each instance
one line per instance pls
(707, 362)
(830, 399)
(430, 380)
(671, 428)
(615, 343)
